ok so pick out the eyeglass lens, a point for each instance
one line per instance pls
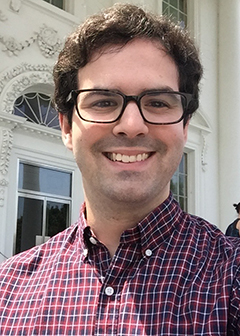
(106, 106)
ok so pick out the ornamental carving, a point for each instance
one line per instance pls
(2, 16)
(204, 152)
(21, 69)
(3, 185)
(2, 197)
(12, 47)
(7, 142)
(26, 75)
(47, 39)
(15, 5)
(21, 84)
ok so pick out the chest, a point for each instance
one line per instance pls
(159, 292)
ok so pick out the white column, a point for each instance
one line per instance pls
(229, 109)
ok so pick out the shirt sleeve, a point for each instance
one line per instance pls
(234, 309)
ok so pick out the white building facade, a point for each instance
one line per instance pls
(40, 185)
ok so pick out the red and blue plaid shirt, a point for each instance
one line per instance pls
(173, 274)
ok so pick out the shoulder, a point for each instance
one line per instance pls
(232, 229)
(41, 256)
(210, 238)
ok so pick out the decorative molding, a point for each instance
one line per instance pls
(15, 122)
(7, 142)
(2, 16)
(204, 152)
(47, 39)
(2, 197)
(25, 75)
(3, 185)
(20, 69)
(15, 5)
(21, 84)
(12, 47)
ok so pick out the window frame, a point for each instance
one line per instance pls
(43, 196)
(50, 3)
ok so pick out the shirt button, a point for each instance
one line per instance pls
(148, 253)
(109, 291)
(93, 240)
(85, 252)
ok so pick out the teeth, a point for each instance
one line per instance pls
(128, 158)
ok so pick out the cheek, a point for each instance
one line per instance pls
(170, 135)
(85, 136)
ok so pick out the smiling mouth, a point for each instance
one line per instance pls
(127, 158)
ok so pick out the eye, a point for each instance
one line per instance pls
(161, 102)
(103, 103)
(157, 103)
(98, 101)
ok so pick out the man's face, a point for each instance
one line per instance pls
(154, 151)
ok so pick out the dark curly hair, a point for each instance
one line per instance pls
(118, 25)
(237, 207)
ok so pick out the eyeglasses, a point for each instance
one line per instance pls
(106, 106)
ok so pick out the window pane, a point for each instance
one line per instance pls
(176, 9)
(57, 218)
(183, 6)
(174, 185)
(29, 223)
(183, 203)
(57, 3)
(174, 3)
(178, 183)
(45, 180)
(174, 13)
(182, 165)
(164, 8)
(182, 185)
(37, 108)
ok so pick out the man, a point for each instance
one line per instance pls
(134, 263)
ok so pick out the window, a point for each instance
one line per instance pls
(177, 9)
(37, 108)
(57, 3)
(179, 183)
(44, 200)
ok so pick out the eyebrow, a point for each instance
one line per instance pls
(160, 88)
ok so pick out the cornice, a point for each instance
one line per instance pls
(10, 121)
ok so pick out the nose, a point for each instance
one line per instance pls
(131, 123)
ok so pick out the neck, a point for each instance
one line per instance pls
(109, 217)
(108, 224)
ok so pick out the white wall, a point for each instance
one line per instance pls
(229, 109)
(207, 38)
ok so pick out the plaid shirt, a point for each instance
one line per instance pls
(173, 274)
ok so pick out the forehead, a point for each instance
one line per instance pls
(141, 61)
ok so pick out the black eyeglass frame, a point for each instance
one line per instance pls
(186, 99)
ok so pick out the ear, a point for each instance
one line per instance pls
(66, 131)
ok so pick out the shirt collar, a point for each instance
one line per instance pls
(152, 230)
(157, 226)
